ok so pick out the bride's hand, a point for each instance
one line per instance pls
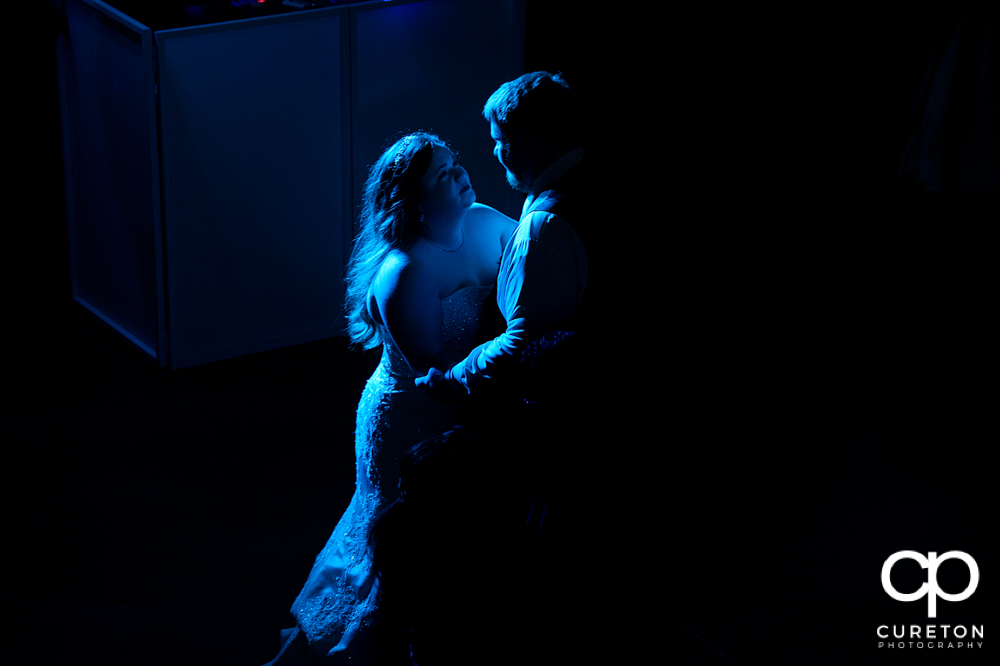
(435, 383)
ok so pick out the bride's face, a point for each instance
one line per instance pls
(446, 188)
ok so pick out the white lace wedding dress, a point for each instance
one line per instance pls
(340, 594)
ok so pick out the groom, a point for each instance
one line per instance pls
(543, 276)
(532, 479)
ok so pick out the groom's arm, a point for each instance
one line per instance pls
(542, 280)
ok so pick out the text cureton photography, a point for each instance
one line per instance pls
(940, 637)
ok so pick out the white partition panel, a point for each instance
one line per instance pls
(112, 181)
(254, 186)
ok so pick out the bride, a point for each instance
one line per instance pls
(421, 271)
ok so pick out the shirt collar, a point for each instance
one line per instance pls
(555, 171)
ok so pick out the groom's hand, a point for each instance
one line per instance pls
(436, 384)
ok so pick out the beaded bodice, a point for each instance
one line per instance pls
(461, 314)
(459, 325)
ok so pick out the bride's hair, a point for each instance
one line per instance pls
(390, 219)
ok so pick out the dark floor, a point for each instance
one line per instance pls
(178, 512)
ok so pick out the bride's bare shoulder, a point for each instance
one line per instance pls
(485, 215)
(491, 224)
(396, 265)
(401, 272)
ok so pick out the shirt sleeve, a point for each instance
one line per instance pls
(542, 277)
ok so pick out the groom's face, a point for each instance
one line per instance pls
(510, 156)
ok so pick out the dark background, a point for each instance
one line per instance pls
(803, 337)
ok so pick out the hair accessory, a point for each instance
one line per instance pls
(398, 159)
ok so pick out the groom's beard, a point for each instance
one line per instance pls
(515, 183)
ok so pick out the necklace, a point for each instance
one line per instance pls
(444, 248)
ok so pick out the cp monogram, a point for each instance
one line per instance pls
(930, 588)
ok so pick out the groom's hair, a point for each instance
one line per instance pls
(537, 104)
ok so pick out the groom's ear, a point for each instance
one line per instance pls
(522, 146)
(521, 141)
(532, 151)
